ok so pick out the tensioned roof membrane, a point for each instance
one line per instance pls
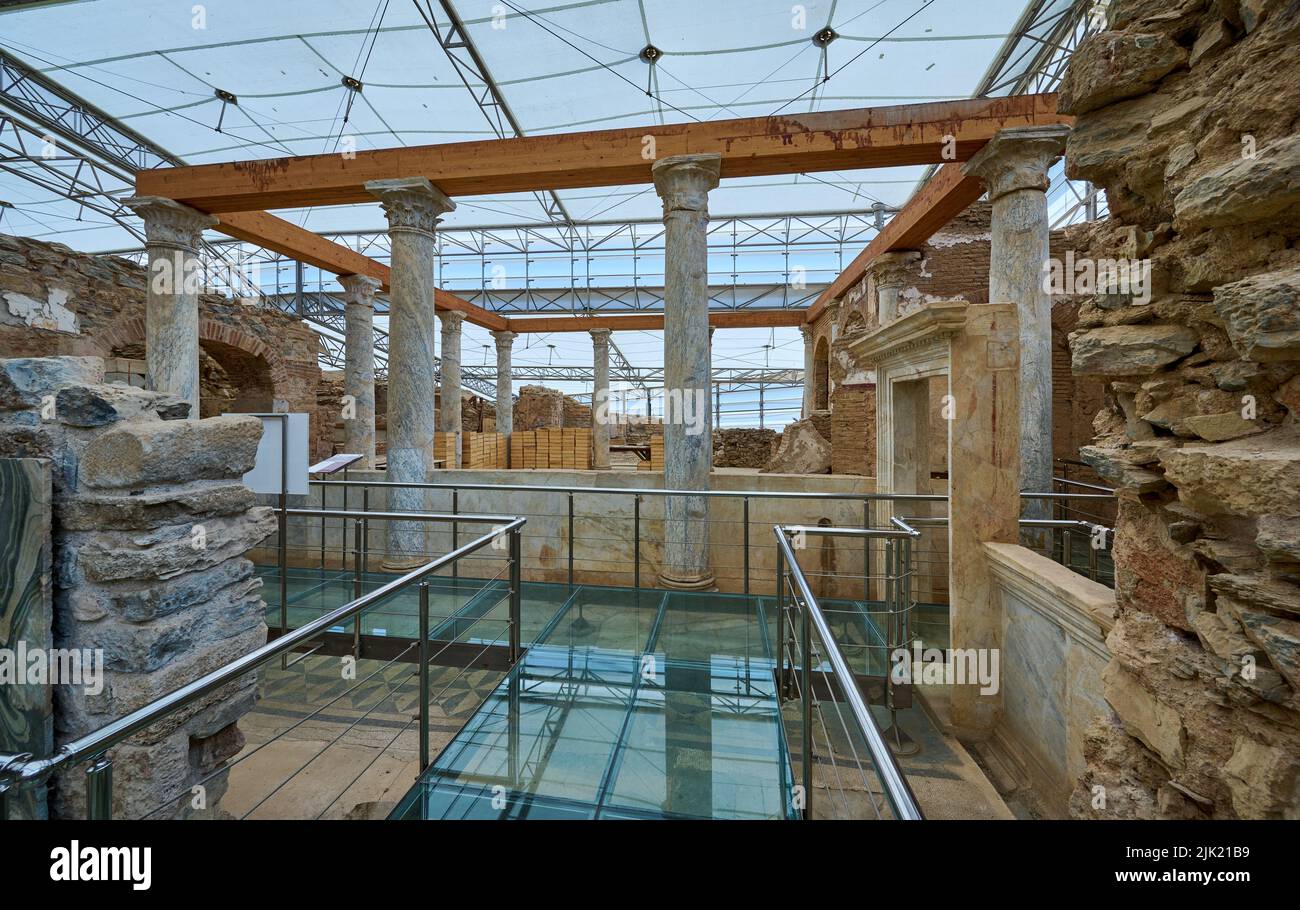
(156, 66)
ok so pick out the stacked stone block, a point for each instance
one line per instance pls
(151, 526)
(1186, 115)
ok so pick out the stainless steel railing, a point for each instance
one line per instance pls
(813, 627)
(562, 524)
(25, 770)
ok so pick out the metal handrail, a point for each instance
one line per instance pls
(897, 790)
(638, 491)
(24, 769)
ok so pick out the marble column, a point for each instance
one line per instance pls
(171, 314)
(809, 369)
(890, 271)
(683, 182)
(450, 423)
(412, 205)
(505, 387)
(601, 406)
(359, 366)
(1014, 168)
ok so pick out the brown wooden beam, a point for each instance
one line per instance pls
(730, 319)
(284, 237)
(752, 146)
(943, 198)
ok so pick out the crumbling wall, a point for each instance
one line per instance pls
(1187, 116)
(743, 447)
(56, 301)
(538, 407)
(151, 524)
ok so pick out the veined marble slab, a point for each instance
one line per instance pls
(26, 606)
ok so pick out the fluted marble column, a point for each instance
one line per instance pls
(809, 368)
(412, 205)
(601, 406)
(451, 408)
(359, 366)
(505, 386)
(171, 314)
(1014, 168)
(683, 182)
(889, 271)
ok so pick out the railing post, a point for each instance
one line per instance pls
(866, 554)
(746, 520)
(636, 542)
(516, 591)
(1092, 556)
(99, 788)
(424, 675)
(455, 530)
(570, 539)
(356, 584)
(807, 711)
(780, 624)
(365, 532)
(323, 519)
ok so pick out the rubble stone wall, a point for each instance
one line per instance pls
(151, 527)
(743, 447)
(56, 301)
(1186, 114)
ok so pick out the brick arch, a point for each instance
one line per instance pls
(131, 331)
(821, 375)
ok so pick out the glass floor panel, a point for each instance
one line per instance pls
(457, 606)
(635, 704)
(627, 704)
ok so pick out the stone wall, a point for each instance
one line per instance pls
(743, 447)
(55, 301)
(478, 415)
(1187, 117)
(151, 524)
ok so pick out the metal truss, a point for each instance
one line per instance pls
(1034, 57)
(766, 262)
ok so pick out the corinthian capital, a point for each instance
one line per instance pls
(1017, 158)
(684, 181)
(411, 203)
(169, 223)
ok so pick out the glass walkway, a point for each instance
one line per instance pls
(627, 703)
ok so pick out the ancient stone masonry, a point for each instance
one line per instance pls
(1187, 117)
(744, 447)
(151, 524)
(251, 358)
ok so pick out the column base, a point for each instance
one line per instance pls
(398, 564)
(688, 582)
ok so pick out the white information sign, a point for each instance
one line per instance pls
(284, 443)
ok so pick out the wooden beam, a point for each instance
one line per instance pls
(280, 236)
(752, 146)
(943, 198)
(728, 319)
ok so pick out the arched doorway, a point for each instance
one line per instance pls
(237, 373)
(822, 376)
